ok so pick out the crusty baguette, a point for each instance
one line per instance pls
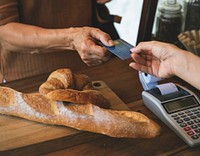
(37, 107)
(63, 85)
(80, 97)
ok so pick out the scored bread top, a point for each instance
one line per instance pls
(7, 97)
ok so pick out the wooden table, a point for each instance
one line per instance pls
(125, 83)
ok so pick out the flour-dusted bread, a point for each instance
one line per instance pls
(83, 116)
(87, 117)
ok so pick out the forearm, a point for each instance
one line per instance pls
(26, 38)
(186, 66)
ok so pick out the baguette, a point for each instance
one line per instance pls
(63, 85)
(88, 117)
(70, 100)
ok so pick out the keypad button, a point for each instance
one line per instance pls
(186, 119)
(194, 110)
(195, 137)
(187, 111)
(190, 133)
(180, 113)
(190, 122)
(190, 114)
(187, 129)
(197, 130)
(176, 118)
(183, 116)
(194, 126)
(183, 124)
(193, 117)
(179, 121)
(174, 115)
(197, 120)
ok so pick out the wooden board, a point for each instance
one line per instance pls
(18, 136)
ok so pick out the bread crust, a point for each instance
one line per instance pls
(80, 97)
(7, 97)
(82, 109)
(88, 117)
(63, 85)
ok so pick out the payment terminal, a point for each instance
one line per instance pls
(177, 106)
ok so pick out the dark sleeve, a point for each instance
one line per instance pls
(104, 20)
(8, 11)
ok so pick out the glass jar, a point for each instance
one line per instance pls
(192, 14)
(169, 21)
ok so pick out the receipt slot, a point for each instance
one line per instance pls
(175, 105)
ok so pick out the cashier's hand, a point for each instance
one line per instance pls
(155, 58)
(85, 41)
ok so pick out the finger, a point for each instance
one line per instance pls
(90, 57)
(93, 59)
(102, 37)
(94, 62)
(140, 67)
(95, 49)
(107, 57)
(141, 59)
(142, 47)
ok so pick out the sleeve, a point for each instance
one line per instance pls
(104, 20)
(8, 11)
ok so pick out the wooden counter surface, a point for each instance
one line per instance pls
(125, 83)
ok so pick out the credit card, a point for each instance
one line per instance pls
(121, 49)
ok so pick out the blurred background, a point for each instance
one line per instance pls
(130, 10)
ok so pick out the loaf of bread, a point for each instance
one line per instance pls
(63, 85)
(45, 107)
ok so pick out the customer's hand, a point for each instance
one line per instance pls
(85, 41)
(155, 58)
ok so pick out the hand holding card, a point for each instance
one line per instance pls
(121, 49)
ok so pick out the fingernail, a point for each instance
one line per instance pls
(111, 43)
(132, 49)
(131, 64)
